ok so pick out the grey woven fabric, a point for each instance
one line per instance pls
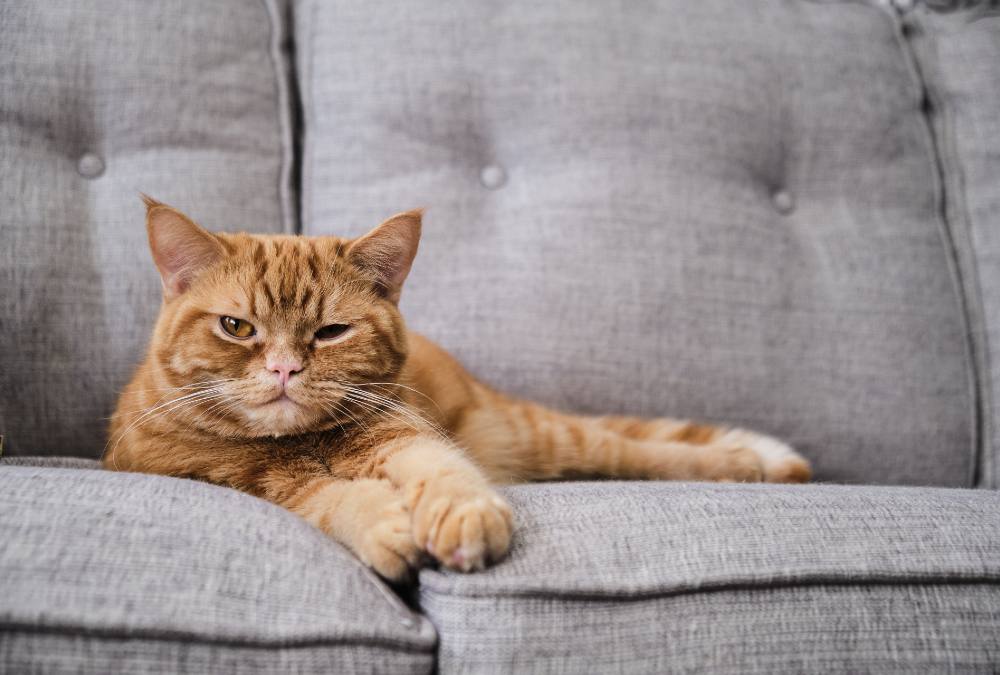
(674, 577)
(52, 462)
(32, 651)
(100, 101)
(956, 53)
(111, 572)
(632, 538)
(879, 628)
(717, 210)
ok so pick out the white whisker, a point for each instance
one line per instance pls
(198, 386)
(172, 405)
(372, 408)
(394, 409)
(403, 386)
(341, 409)
(395, 404)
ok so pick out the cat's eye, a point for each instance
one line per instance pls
(334, 330)
(238, 328)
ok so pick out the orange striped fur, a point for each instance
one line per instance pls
(375, 435)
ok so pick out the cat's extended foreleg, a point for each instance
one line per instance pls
(457, 516)
(368, 516)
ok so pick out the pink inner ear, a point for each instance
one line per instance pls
(389, 249)
(391, 259)
(181, 249)
(183, 261)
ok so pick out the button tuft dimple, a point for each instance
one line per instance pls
(90, 165)
(493, 176)
(783, 201)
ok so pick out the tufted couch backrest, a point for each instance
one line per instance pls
(731, 211)
(99, 101)
(775, 214)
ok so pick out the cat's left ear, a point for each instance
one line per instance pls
(386, 253)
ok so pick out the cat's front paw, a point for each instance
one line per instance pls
(463, 528)
(388, 547)
(778, 461)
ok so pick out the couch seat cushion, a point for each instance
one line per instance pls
(110, 572)
(664, 577)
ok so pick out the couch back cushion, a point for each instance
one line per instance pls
(957, 49)
(718, 210)
(183, 101)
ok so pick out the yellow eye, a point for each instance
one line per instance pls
(238, 328)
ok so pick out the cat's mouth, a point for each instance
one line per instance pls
(279, 415)
(282, 399)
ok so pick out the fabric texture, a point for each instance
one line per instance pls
(956, 54)
(711, 210)
(675, 577)
(113, 572)
(906, 628)
(187, 103)
(52, 462)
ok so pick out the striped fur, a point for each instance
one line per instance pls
(384, 441)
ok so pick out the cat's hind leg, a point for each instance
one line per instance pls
(517, 441)
(779, 462)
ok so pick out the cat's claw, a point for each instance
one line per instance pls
(389, 547)
(462, 529)
(467, 560)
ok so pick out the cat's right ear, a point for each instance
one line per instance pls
(181, 248)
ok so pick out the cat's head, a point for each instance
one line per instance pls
(261, 333)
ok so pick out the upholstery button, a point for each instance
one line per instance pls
(493, 176)
(783, 201)
(90, 165)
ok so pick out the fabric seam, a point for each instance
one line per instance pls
(652, 594)
(7, 627)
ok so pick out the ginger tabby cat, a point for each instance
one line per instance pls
(280, 366)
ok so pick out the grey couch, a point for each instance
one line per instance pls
(783, 214)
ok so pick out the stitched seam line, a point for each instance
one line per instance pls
(189, 637)
(937, 579)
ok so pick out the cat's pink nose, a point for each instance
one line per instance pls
(284, 368)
